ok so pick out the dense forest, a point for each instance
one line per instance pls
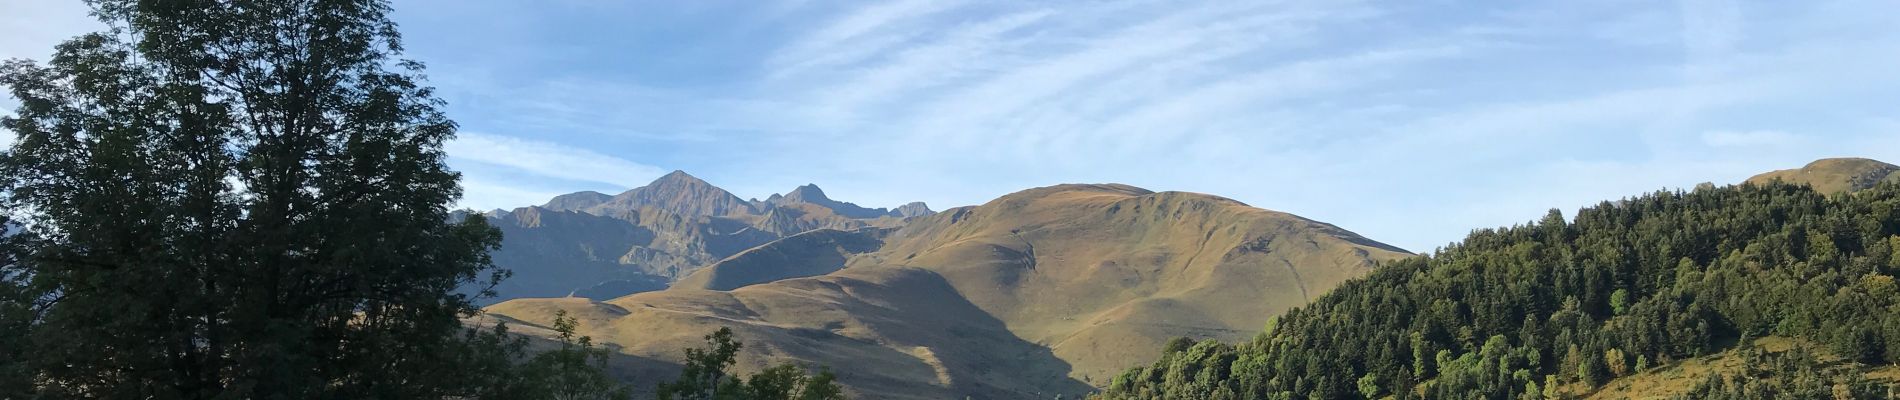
(1559, 307)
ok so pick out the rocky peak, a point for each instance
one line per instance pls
(809, 193)
(914, 209)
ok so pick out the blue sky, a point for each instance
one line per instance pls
(1411, 122)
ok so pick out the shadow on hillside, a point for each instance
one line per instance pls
(975, 354)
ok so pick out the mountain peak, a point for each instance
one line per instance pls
(683, 194)
(678, 176)
(914, 209)
(809, 193)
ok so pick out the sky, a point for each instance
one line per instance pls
(1409, 122)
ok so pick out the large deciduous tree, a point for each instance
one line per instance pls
(237, 199)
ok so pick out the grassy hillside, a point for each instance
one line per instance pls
(1104, 274)
(1571, 305)
(1762, 363)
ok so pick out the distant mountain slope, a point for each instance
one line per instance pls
(814, 196)
(577, 201)
(599, 246)
(555, 252)
(1046, 290)
(790, 219)
(811, 253)
(1835, 175)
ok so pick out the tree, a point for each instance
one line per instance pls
(706, 376)
(241, 199)
(1620, 301)
(1176, 345)
(575, 370)
(16, 314)
(1369, 386)
(705, 369)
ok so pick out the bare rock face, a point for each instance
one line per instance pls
(915, 209)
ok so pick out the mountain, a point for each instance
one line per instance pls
(598, 246)
(1835, 175)
(1699, 294)
(1041, 292)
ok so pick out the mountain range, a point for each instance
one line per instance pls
(1045, 291)
(600, 246)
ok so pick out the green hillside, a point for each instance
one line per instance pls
(1560, 308)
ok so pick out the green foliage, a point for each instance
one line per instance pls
(576, 370)
(238, 200)
(1369, 386)
(1510, 312)
(1620, 301)
(706, 377)
(1788, 375)
(1177, 345)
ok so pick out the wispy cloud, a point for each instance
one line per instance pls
(1410, 122)
(550, 159)
(857, 35)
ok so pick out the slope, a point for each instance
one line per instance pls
(806, 254)
(1758, 366)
